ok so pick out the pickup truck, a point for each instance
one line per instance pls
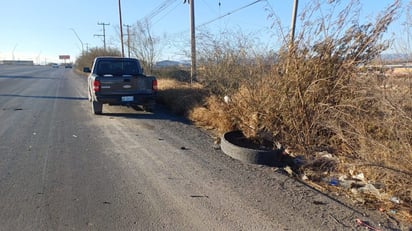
(120, 81)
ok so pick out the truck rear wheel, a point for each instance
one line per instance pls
(136, 107)
(97, 108)
(149, 108)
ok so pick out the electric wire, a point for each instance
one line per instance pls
(167, 13)
(230, 13)
(167, 3)
(157, 10)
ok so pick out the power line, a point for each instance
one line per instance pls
(161, 7)
(210, 8)
(178, 4)
(178, 34)
(230, 13)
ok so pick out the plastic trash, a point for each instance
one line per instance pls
(334, 182)
(395, 200)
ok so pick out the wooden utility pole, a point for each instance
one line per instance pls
(121, 28)
(128, 39)
(104, 33)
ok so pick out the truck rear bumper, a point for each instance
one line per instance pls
(126, 99)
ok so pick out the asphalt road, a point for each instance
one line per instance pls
(62, 168)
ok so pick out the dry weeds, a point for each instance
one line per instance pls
(317, 99)
(180, 97)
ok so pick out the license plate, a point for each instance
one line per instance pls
(127, 98)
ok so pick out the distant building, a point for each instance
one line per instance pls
(17, 62)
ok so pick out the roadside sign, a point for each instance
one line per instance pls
(64, 57)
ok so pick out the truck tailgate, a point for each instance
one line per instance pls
(123, 85)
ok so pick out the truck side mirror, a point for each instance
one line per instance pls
(86, 70)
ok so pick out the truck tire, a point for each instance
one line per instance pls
(149, 108)
(97, 108)
(248, 155)
(136, 107)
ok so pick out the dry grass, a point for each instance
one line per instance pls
(180, 97)
(401, 72)
(315, 99)
(369, 132)
(213, 115)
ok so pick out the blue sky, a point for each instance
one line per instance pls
(42, 30)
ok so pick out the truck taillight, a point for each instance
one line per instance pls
(154, 85)
(96, 85)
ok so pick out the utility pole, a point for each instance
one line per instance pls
(128, 39)
(104, 33)
(293, 25)
(87, 47)
(121, 28)
(192, 39)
